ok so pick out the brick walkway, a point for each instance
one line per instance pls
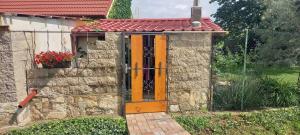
(153, 124)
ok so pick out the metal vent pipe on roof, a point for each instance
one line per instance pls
(196, 14)
(196, 3)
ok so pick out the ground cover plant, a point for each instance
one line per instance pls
(78, 126)
(269, 122)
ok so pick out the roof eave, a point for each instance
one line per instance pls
(41, 16)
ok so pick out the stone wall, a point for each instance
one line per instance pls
(189, 71)
(92, 88)
(8, 94)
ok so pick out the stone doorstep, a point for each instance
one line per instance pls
(153, 124)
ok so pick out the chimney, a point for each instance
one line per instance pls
(196, 14)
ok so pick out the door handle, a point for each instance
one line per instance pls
(126, 69)
(160, 68)
(136, 69)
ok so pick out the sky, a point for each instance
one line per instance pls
(169, 8)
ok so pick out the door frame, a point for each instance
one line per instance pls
(125, 38)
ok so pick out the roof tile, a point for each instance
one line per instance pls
(148, 25)
(70, 8)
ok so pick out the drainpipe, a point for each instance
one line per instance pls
(32, 94)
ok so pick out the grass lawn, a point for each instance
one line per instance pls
(271, 122)
(289, 75)
(284, 74)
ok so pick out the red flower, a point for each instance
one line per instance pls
(52, 58)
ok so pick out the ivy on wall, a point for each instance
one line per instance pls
(121, 9)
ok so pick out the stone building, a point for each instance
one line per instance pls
(124, 66)
(130, 66)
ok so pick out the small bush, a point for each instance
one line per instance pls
(225, 60)
(229, 97)
(79, 126)
(277, 93)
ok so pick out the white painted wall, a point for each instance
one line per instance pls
(55, 41)
(23, 42)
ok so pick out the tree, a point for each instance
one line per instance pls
(298, 6)
(280, 31)
(121, 9)
(237, 15)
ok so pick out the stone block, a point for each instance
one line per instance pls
(59, 99)
(72, 72)
(104, 45)
(56, 115)
(36, 113)
(91, 81)
(65, 90)
(103, 54)
(79, 90)
(108, 101)
(56, 72)
(97, 63)
(108, 80)
(174, 108)
(87, 73)
(7, 97)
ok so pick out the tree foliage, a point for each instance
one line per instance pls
(280, 31)
(298, 6)
(237, 15)
(274, 28)
(121, 9)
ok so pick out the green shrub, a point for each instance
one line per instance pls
(259, 92)
(229, 97)
(224, 60)
(278, 93)
(79, 126)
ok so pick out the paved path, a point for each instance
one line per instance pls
(153, 124)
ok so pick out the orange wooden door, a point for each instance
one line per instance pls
(160, 51)
(137, 104)
(137, 68)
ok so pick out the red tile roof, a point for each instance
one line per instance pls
(69, 8)
(147, 25)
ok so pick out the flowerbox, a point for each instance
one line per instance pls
(52, 59)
